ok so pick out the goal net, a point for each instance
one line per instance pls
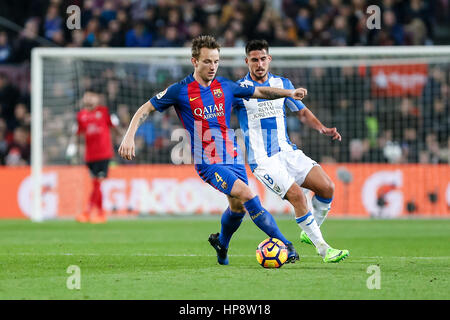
(389, 104)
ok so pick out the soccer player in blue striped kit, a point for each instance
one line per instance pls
(203, 103)
(275, 160)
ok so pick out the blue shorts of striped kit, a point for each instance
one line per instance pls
(222, 176)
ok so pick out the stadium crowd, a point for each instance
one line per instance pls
(418, 127)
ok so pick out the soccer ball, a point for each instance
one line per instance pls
(271, 253)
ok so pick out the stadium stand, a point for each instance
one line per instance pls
(173, 23)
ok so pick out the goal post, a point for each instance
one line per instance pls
(129, 77)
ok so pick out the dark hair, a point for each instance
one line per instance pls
(256, 45)
(203, 41)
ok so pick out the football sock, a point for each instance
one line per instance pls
(264, 220)
(93, 198)
(320, 207)
(230, 223)
(98, 201)
(312, 230)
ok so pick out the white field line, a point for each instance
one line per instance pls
(195, 255)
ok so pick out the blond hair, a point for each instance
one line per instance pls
(203, 41)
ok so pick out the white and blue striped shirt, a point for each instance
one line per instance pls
(264, 121)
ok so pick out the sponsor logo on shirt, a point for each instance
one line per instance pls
(266, 109)
(211, 111)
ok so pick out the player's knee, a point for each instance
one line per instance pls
(246, 194)
(328, 189)
(237, 206)
(242, 191)
(296, 197)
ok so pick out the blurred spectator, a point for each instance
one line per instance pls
(214, 26)
(92, 30)
(410, 146)
(338, 32)
(174, 21)
(5, 48)
(194, 30)
(228, 11)
(53, 22)
(291, 30)
(117, 34)
(21, 118)
(416, 32)
(438, 120)
(77, 39)
(18, 153)
(303, 21)
(169, 39)
(27, 40)
(108, 13)
(392, 32)
(419, 11)
(319, 35)
(432, 151)
(138, 36)
(264, 30)
(358, 148)
(9, 96)
(3, 142)
(281, 37)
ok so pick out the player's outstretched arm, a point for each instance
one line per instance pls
(127, 148)
(307, 117)
(276, 93)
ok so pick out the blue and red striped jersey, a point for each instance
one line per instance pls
(205, 113)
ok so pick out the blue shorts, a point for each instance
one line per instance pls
(222, 176)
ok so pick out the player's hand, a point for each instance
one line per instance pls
(127, 148)
(299, 93)
(331, 132)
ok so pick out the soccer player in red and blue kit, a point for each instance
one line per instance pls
(203, 103)
(94, 123)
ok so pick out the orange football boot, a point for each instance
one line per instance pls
(99, 218)
(82, 218)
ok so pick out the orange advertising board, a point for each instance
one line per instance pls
(377, 190)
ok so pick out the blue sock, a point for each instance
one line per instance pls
(264, 220)
(230, 223)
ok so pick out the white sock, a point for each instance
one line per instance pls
(312, 230)
(320, 208)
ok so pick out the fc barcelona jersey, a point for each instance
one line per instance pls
(205, 113)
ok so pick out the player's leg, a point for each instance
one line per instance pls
(306, 172)
(305, 219)
(231, 220)
(100, 173)
(232, 180)
(307, 223)
(323, 187)
(260, 216)
(297, 164)
(85, 215)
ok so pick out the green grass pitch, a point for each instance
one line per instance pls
(160, 258)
